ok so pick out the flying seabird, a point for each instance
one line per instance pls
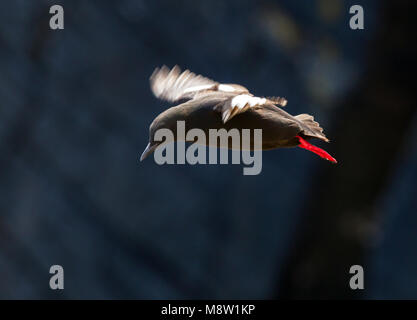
(207, 104)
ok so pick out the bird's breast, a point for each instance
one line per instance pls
(276, 131)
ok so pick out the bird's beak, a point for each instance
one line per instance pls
(148, 150)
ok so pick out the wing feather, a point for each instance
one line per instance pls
(173, 85)
(243, 102)
(238, 104)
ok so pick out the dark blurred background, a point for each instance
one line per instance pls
(75, 106)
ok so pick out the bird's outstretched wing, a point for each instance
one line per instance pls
(173, 85)
(242, 102)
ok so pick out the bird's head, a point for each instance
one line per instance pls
(166, 120)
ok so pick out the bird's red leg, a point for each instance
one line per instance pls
(308, 146)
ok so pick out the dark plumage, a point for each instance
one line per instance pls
(210, 105)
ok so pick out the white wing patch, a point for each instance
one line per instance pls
(226, 88)
(239, 104)
(243, 99)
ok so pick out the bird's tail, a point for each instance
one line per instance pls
(308, 146)
(311, 128)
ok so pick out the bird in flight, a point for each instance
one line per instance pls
(207, 104)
